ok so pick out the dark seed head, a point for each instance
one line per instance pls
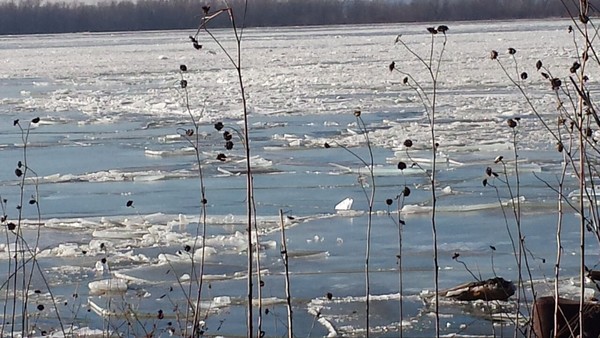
(183, 68)
(406, 191)
(405, 80)
(488, 171)
(512, 51)
(219, 126)
(389, 201)
(227, 136)
(103, 260)
(222, 157)
(329, 295)
(196, 45)
(456, 255)
(538, 64)
(18, 172)
(129, 204)
(493, 55)
(556, 83)
(560, 147)
(228, 145)
(401, 165)
(408, 143)
(442, 29)
(357, 113)
(183, 83)
(35, 120)
(326, 145)
(40, 307)
(392, 66)
(511, 123)
(432, 30)
(524, 76)
(187, 248)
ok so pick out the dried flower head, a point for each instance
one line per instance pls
(401, 165)
(392, 66)
(538, 64)
(432, 30)
(512, 51)
(357, 113)
(511, 123)
(524, 76)
(219, 126)
(442, 29)
(389, 201)
(183, 68)
(493, 55)
(408, 143)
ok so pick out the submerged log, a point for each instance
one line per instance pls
(496, 288)
(567, 320)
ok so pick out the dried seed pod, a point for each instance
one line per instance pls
(35, 120)
(326, 145)
(183, 68)
(405, 80)
(18, 172)
(538, 64)
(585, 56)
(189, 132)
(493, 55)
(205, 9)
(160, 314)
(11, 226)
(392, 66)
(431, 30)
(227, 136)
(456, 255)
(129, 204)
(408, 143)
(498, 159)
(196, 45)
(512, 51)
(40, 307)
(406, 191)
(524, 76)
(401, 165)
(488, 171)
(511, 123)
(589, 132)
(389, 201)
(442, 29)
(546, 76)
(329, 295)
(183, 84)
(570, 29)
(219, 126)
(560, 147)
(574, 67)
(221, 157)
(228, 145)
(556, 83)
(357, 113)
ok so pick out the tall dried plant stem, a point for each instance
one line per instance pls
(285, 258)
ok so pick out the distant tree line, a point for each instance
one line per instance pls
(35, 16)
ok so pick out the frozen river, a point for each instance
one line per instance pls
(110, 110)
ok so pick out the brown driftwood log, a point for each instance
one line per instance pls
(567, 320)
(490, 289)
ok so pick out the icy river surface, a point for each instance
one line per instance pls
(116, 179)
